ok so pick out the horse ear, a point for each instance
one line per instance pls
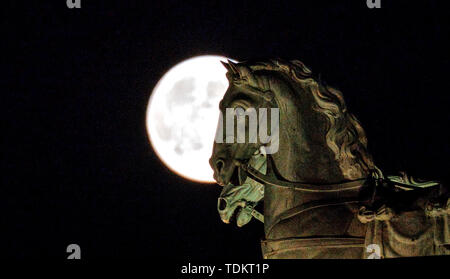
(230, 68)
(233, 67)
(226, 66)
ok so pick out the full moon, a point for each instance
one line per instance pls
(183, 114)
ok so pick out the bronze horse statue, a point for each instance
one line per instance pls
(323, 195)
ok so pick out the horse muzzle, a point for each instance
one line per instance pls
(236, 203)
(228, 173)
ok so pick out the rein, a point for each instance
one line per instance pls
(270, 179)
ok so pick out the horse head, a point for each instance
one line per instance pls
(313, 138)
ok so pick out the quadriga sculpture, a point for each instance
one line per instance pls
(323, 195)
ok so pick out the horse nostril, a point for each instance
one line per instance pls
(222, 204)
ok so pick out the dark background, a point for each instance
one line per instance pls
(76, 163)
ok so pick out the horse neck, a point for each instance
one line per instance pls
(303, 154)
(302, 157)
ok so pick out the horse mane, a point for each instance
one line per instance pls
(345, 135)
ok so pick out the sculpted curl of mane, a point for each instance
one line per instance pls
(345, 135)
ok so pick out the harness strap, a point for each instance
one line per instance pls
(311, 246)
(271, 179)
(307, 207)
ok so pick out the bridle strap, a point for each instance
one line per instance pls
(272, 180)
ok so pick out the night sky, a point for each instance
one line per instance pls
(77, 166)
